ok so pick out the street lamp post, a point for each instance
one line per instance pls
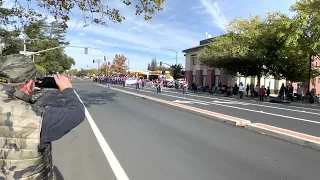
(176, 55)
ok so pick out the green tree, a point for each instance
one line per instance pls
(13, 44)
(274, 46)
(307, 18)
(49, 35)
(82, 73)
(93, 72)
(239, 50)
(176, 71)
(72, 72)
(41, 68)
(285, 55)
(92, 11)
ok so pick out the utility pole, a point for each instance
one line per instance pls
(128, 63)
(24, 43)
(2, 44)
(176, 55)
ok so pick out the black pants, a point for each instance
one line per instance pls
(241, 94)
(261, 98)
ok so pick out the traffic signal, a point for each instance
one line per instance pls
(104, 57)
(160, 63)
(85, 50)
(93, 61)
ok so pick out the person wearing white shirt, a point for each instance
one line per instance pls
(241, 89)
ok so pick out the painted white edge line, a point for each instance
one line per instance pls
(113, 161)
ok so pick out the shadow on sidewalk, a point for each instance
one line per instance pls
(58, 175)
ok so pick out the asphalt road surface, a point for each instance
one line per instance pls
(300, 119)
(154, 142)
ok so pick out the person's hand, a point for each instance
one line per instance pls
(62, 82)
(36, 89)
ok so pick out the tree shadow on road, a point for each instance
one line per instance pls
(97, 98)
(58, 175)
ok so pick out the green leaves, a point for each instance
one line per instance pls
(276, 45)
(176, 71)
(93, 11)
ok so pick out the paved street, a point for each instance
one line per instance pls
(154, 142)
(300, 119)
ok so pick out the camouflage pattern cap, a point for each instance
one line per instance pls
(18, 68)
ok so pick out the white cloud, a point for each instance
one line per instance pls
(138, 39)
(212, 9)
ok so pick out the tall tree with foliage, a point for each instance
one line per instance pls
(275, 45)
(176, 71)
(48, 35)
(307, 18)
(119, 63)
(82, 72)
(72, 72)
(92, 11)
(13, 44)
(238, 51)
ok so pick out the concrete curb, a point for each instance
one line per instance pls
(279, 133)
(209, 114)
(284, 134)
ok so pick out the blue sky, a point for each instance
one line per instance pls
(181, 25)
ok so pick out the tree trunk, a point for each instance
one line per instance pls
(259, 78)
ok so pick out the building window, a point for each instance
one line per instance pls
(194, 59)
(194, 78)
(204, 80)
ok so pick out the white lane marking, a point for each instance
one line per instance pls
(262, 112)
(190, 102)
(113, 161)
(228, 99)
(254, 104)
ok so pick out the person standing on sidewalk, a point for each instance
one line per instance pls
(262, 92)
(299, 93)
(247, 90)
(241, 89)
(28, 130)
(268, 92)
(184, 87)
